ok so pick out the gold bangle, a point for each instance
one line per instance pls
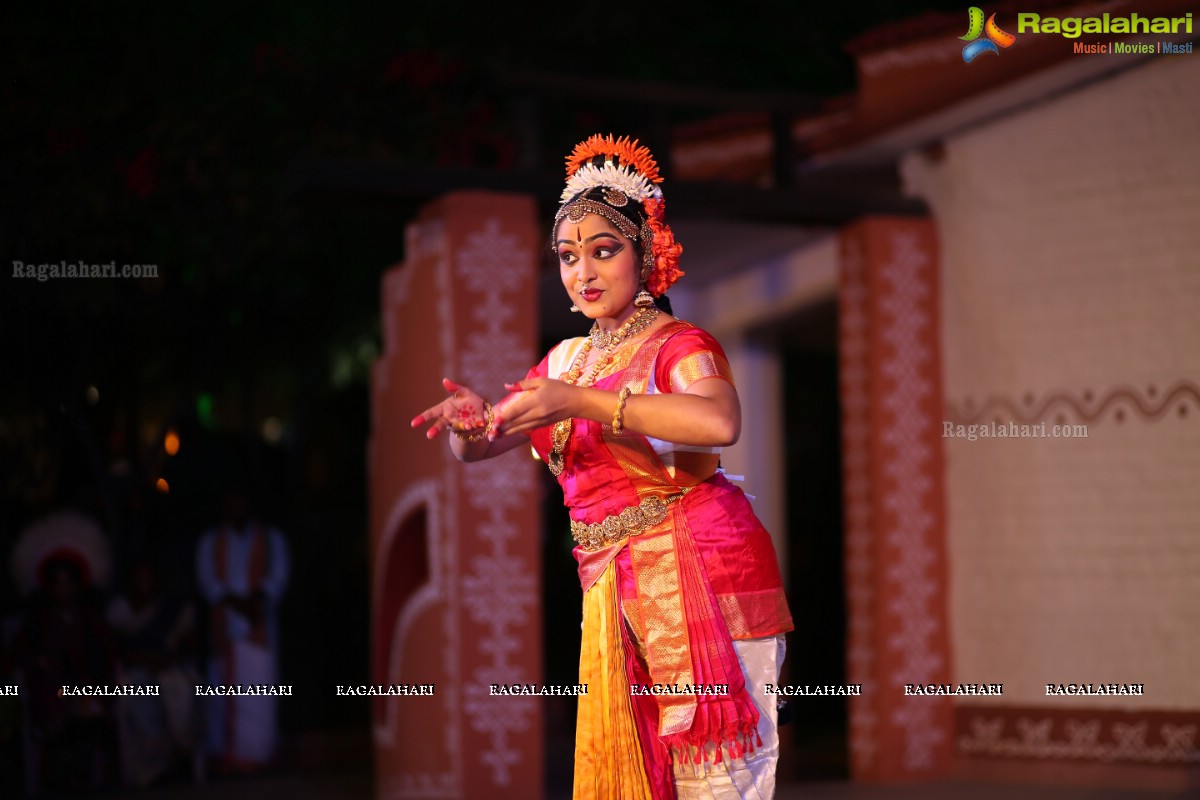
(478, 434)
(618, 423)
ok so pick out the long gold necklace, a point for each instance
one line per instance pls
(608, 343)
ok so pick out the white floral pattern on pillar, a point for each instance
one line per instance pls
(853, 343)
(499, 589)
(908, 464)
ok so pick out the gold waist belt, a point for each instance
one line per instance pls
(630, 522)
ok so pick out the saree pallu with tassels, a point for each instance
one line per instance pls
(674, 567)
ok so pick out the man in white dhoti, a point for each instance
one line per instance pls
(242, 570)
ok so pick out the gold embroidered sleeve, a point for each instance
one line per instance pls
(697, 366)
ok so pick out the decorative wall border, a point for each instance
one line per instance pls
(1062, 406)
(1080, 734)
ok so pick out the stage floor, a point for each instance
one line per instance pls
(357, 785)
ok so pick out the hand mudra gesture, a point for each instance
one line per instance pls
(463, 411)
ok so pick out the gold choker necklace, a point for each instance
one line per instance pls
(603, 340)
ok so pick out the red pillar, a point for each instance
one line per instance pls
(455, 547)
(895, 520)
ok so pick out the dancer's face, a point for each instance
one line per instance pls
(598, 267)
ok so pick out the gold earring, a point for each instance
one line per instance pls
(643, 299)
(575, 308)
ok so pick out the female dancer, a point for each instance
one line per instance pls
(683, 609)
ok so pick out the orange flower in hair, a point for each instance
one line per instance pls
(665, 249)
(626, 150)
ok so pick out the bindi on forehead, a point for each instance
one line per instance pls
(581, 238)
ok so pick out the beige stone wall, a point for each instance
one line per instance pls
(1070, 236)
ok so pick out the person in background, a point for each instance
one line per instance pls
(156, 640)
(242, 570)
(65, 641)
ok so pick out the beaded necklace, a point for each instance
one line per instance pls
(608, 343)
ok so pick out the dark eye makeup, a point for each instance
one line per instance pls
(602, 251)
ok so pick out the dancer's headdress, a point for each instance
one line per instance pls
(618, 180)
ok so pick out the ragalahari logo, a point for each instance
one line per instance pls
(996, 38)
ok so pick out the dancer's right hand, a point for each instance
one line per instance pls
(463, 410)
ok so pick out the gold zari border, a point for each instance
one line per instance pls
(697, 366)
